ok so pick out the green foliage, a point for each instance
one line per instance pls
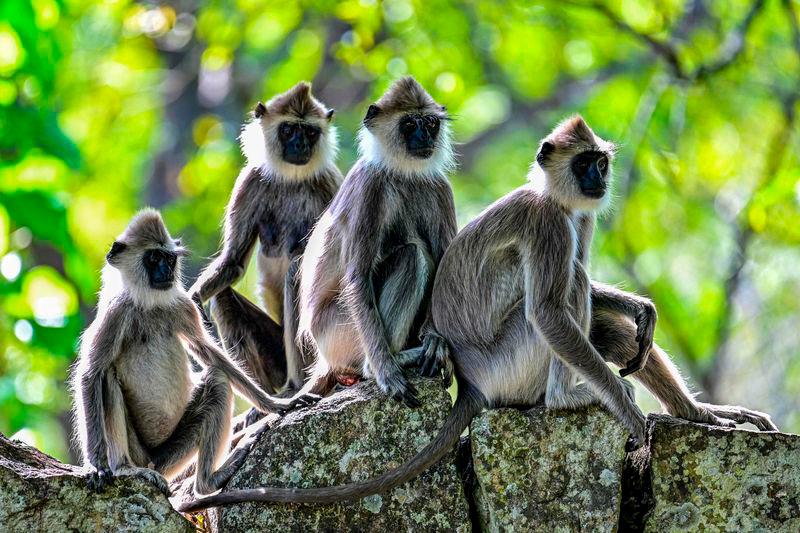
(109, 106)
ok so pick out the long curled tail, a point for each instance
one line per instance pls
(468, 404)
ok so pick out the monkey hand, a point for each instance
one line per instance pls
(98, 478)
(645, 330)
(435, 358)
(393, 381)
(730, 415)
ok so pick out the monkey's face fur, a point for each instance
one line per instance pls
(146, 258)
(291, 134)
(406, 131)
(574, 166)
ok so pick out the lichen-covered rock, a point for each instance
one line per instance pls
(38, 493)
(353, 435)
(542, 470)
(715, 479)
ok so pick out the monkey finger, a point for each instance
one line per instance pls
(253, 416)
(429, 367)
(411, 400)
(634, 365)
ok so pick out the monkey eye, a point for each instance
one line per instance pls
(285, 130)
(602, 163)
(432, 123)
(408, 125)
(312, 133)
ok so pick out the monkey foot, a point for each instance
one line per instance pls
(96, 480)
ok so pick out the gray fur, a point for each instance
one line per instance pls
(138, 411)
(614, 335)
(368, 269)
(510, 297)
(277, 204)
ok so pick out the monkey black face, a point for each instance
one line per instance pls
(298, 141)
(160, 267)
(590, 169)
(419, 133)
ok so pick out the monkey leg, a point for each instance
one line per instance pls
(400, 287)
(126, 455)
(614, 336)
(204, 428)
(563, 391)
(298, 356)
(251, 338)
(400, 284)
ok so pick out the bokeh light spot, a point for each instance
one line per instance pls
(11, 266)
(12, 55)
(23, 330)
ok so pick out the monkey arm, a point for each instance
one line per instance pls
(98, 352)
(239, 237)
(640, 309)
(548, 271)
(201, 344)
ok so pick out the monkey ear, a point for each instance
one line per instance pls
(444, 108)
(116, 249)
(260, 110)
(372, 112)
(329, 114)
(546, 149)
(177, 241)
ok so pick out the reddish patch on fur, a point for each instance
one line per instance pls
(347, 380)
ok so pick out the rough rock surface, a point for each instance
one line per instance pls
(535, 472)
(350, 436)
(715, 479)
(37, 493)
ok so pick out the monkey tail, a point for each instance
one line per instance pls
(468, 404)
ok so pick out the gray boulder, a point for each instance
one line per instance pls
(716, 479)
(541, 470)
(353, 435)
(38, 493)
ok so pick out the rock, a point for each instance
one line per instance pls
(353, 435)
(717, 479)
(38, 493)
(542, 470)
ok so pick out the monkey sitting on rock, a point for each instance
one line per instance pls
(138, 409)
(368, 270)
(289, 180)
(514, 301)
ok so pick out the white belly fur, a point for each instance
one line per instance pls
(157, 386)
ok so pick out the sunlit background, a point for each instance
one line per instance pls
(106, 107)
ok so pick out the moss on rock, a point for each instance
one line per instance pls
(38, 493)
(541, 470)
(353, 435)
(716, 479)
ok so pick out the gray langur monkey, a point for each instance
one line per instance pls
(520, 270)
(139, 410)
(369, 266)
(288, 181)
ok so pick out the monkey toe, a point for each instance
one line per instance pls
(403, 391)
(253, 416)
(633, 443)
(97, 480)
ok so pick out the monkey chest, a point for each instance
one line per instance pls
(282, 236)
